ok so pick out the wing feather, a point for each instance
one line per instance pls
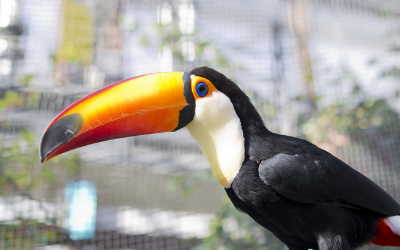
(322, 178)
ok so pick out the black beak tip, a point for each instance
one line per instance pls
(43, 154)
(48, 145)
(59, 133)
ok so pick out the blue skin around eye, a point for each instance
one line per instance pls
(199, 86)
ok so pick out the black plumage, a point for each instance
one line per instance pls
(304, 195)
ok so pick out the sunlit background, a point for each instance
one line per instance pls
(324, 70)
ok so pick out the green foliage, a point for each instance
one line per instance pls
(26, 234)
(393, 71)
(232, 230)
(22, 174)
(206, 54)
(350, 114)
(21, 170)
(77, 34)
(187, 184)
(26, 79)
(11, 99)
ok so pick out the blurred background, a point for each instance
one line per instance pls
(324, 70)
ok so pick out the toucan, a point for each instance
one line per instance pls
(304, 195)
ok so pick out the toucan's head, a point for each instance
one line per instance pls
(211, 106)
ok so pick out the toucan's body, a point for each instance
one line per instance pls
(308, 198)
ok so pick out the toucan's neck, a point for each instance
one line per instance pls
(225, 125)
(254, 129)
(252, 124)
(225, 129)
(218, 130)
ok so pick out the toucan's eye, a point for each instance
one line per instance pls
(202, 89)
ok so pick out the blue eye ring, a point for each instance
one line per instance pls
(201, 89)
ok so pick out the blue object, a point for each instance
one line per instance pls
(202, 89)
(81, 199)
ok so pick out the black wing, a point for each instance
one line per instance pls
(322, 178)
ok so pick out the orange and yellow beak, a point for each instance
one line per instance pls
(154, 103)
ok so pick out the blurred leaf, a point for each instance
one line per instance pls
(391, 72)
(144, 41)
(187, 183)
(27, 234)
(232, 230)
(77, 34)
(11, 99)
(356, 89)
(394, 48)
(48, 175)
(26, 79)
(372, 61)
(22, 173)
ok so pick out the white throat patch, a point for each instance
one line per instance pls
(217, 129)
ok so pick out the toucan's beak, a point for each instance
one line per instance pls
(148, 104)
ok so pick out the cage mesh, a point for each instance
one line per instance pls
(323, 70)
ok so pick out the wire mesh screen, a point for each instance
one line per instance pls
(323, 70)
